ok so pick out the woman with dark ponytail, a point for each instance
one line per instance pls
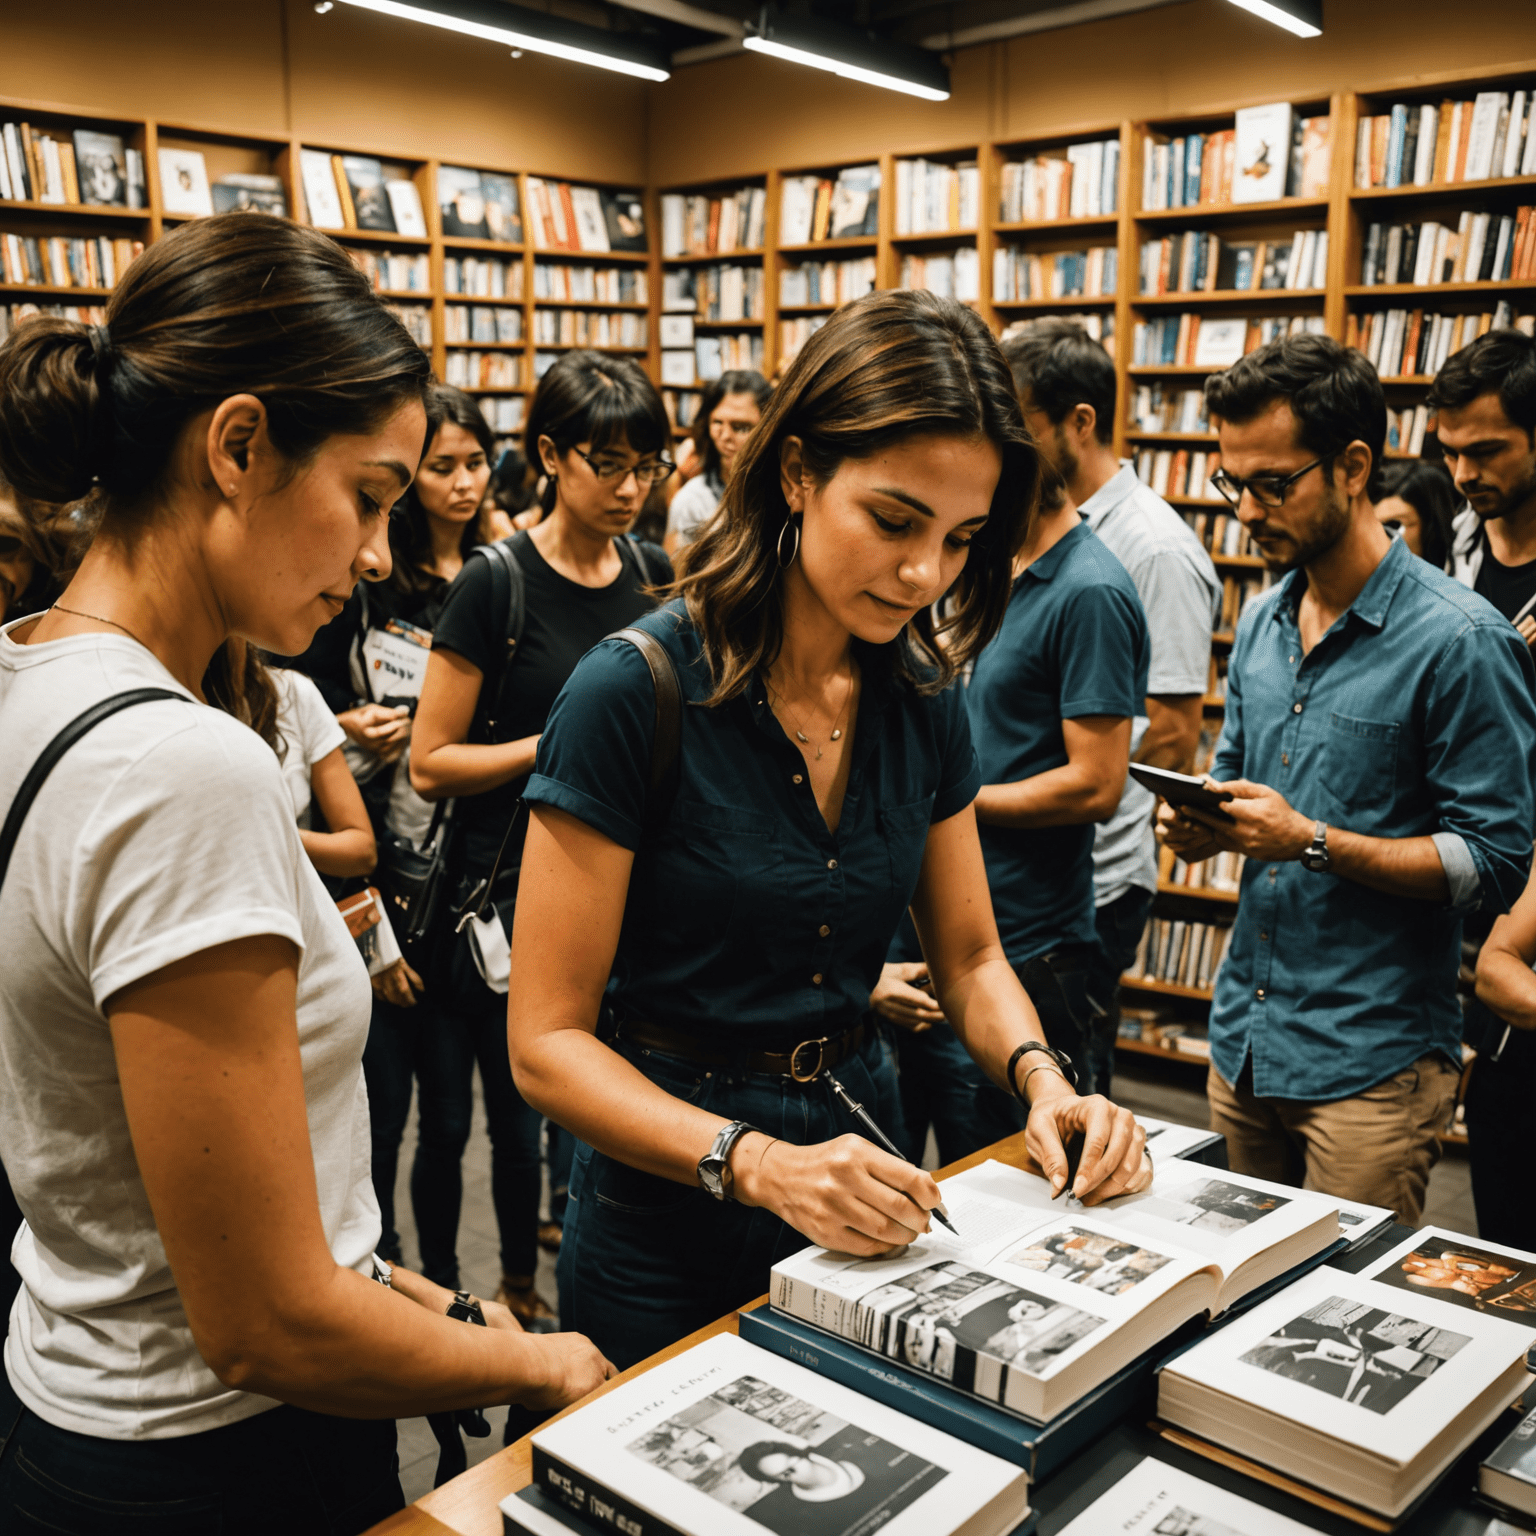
(199, 1342)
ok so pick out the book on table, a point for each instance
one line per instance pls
(726, 1439)
(1192, 1142)
(1034, 1304)
(1508, 1475)
(1464, 1271)
(1327, 1383)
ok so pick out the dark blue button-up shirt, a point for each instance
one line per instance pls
(1411, 717)
(745, 914)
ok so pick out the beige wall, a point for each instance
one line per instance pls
(348, 79)
(746, 114)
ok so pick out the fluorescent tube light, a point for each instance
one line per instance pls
(851, 54)
(1304, 18)
(560, 39)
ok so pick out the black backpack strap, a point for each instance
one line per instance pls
(667, 744)
(647, 558)
(48, 759)
(510, 588)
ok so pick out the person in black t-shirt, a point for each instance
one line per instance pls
(600, 433)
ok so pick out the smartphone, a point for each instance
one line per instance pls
(1182, 789)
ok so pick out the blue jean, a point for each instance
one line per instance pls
(306, 1474)
(942, 1086)
(468, 1026)
(389, 1065)
(644, 1260)
(559, 1149)
(1057, 984)
(1120, 924)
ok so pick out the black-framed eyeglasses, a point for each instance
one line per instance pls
(646, 474)
(1268, 491)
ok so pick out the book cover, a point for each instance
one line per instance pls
(677, 330)
(1263, 143)
(1155, 1499)
(369, 925)
(591, 227)
(503, 212)
(1508, 1473)
(365, 184)
(623, 215)
(461, 203)
(1316, 156)
(101, 166)
(729, 1440)
(855, 208)
(320, 190)
(1220, 342)
(250, 193)
(405, 207)
(184, 183)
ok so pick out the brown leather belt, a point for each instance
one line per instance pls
(804, 1063)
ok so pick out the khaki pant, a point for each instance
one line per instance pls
(1376, 1147)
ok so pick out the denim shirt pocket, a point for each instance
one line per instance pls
(904, 830)
(728, 868)
(1359, 762)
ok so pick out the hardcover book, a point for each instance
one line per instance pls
(1220, 343)
(591, 227)
(856, 202)
(320, 190)
(1154, 1499)
(1327, 1383)
(1508, 1476)
(624, 219)
(405, 206)
(1263, 153)
(1464, 1271)
(461, 203)
(728, 1440)
(1195, 1143)
(1033, 1305)
(242, 193)
(101, 168)
(184, 183)
(503, 215)
(364, 188)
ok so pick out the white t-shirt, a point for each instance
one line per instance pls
(163, 832)
(309, 732)
(692, 509)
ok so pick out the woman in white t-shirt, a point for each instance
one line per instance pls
(199, 1342)
(728, 410)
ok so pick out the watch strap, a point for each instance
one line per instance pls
(465, 1309)
(1062, 1060)
(720, 1154)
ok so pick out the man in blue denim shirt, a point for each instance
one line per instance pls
(1378, 740)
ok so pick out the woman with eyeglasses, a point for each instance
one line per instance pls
(598, 430)
(728, 410)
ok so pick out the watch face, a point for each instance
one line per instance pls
(711, 1172)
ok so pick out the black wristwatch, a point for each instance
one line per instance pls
(1061, 1059)
(715, 1165)
(465, 1309)
(1315, 855)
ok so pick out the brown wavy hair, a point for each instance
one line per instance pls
(238, 682)
(883, 369)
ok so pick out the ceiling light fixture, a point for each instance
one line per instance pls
(847, 52)
(1304, 18)
(531, 30)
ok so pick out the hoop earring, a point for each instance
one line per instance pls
(789, 523)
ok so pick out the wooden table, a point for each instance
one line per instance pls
(467, 1506)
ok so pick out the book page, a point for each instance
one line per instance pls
(1352, 1359)
(1153, 1499)
(1463, 1271)
(1166, 1139)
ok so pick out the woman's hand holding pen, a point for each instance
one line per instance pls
(847, 1194)
(1114, 1160)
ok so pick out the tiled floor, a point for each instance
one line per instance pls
(1171, 1092)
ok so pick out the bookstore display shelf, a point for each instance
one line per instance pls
(459, 298)
(75, 210)
(1197, 892)
(1213, 700)
(485, 346)
(806, 309)
(52, 291)
(1441, 190)
(494, 247)
(1199, 504)
(426, 295)
(848, 243)
(1230, 212)
(581, 346)
(1438, 290)
(712, 258)
(1418, 380)
(1172, 437)
(750, 323)
(1137, 1047)
(499, 389)
(1067, 301)
(934, 236)
(569, 304)
(1234, 296)
(372, 237)
(1223, 636)
(1088, 224)
(1170, 370)
(593, 258)
(1167, 989)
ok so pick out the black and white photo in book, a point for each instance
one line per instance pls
(101, 167)
(1358, 1353)
(1154, 1499)
(1482, 1277)
(1109, 1265)
(930, 1317)
(1213, 1204)
(785, 1463)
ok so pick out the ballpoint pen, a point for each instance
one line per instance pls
(1073, 1147)
(864, 1118)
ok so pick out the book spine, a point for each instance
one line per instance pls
(595, 1504)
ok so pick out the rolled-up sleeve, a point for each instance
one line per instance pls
(1480, 740)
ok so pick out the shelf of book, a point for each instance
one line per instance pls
(1197, 892)
(1166, 989)
(937, 237)
(568, 304)
(816, 247)
(1097, 224)
(712, 258)
(1234, 212)
(1184, 300)
(1171, 437)
(1064, 301)
(1439, 191)
(1439, 290)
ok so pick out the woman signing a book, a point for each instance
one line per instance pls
(201, 1341)
(823, 784)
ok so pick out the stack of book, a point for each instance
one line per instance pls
(394, 271)
(478, 205)
(1191, 340)
(955, 275)
(1178, 472)
(812, 208)
(1018, 274)
(729, 293)
(590, 285)
(1426, 145)
(1080, 182)
(933, 198)
(1185, 954)
(562, 217)
(85, 168)
(1406, 430)
(502, 323)
(1198, 262)
(709, 226)
(1405, 342)
(13, 315)
(1268, 153)
(504, 413)
(1155, 408)
(826, 282)
(491, 278)
(1482, 248)
(58, 261)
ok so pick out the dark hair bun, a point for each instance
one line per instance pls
(50, 408)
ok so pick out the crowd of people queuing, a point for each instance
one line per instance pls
(844, 788)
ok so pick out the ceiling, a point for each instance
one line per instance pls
(694, 31)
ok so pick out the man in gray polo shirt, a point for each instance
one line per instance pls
(1066, 384)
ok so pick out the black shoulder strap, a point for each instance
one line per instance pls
(510, 587)
(48, 759)
(667, 744)
(644, 554)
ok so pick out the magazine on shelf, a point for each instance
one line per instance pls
(856, 202)
(184, 183)
(360, 181)
(624, 219)
(728, 1440)
(101, 168)
(1508, 1474)
(1464, 1271)
(1034, 1303)
(405, 204)
(240, 192)
(320, 190)
(1263, 153)
(1327, 1383)
(503, 213)
(1154, 1499)
(461, 203)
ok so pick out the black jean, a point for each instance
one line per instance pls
(1500, 1093)
(1057, 984)
(305, 1474)
(466, 1026)
(1120, 924)
(389, 1068)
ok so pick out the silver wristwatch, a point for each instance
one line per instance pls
(715, 1165)
(1315, 855)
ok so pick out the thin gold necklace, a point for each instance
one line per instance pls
(837, 724)
(97, 619)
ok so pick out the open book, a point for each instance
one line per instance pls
(1352, 1386)
(1033, 1304)
(1464, 1271)
(728, 1440)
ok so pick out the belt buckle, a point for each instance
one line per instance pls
(796, 1072)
